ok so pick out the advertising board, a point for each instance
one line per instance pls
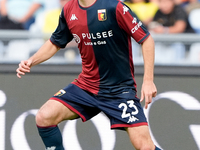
(174, 115)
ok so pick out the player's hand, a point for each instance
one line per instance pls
(147, 92)
(23, 68)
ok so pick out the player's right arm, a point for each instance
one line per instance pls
(58, 39)
(43, 54)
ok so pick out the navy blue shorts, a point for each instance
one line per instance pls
(123, 110)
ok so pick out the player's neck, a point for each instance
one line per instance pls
(86, 3)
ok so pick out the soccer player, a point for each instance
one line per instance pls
(103, 31)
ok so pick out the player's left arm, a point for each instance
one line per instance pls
(148, 89)
(130, 23)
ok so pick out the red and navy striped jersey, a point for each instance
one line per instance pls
(103, 32)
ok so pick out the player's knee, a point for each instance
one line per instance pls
(43, 119)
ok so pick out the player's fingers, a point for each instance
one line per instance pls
(154, 94)
(25, 65)
(146, 105)
(148, 100)
(22, 70)
(18, 75)
(142, 96)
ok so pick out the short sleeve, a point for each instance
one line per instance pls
(61, 35)
(129, 22)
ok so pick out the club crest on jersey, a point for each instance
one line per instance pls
(102, 14)
(60, 93)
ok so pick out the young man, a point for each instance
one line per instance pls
(103, 31)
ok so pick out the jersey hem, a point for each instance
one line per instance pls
(83, 87)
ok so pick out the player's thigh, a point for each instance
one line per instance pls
(140, 137)
(53, 112)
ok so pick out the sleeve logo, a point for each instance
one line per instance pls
(125, 9)
(134, 21)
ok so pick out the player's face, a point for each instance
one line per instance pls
(166, 6)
